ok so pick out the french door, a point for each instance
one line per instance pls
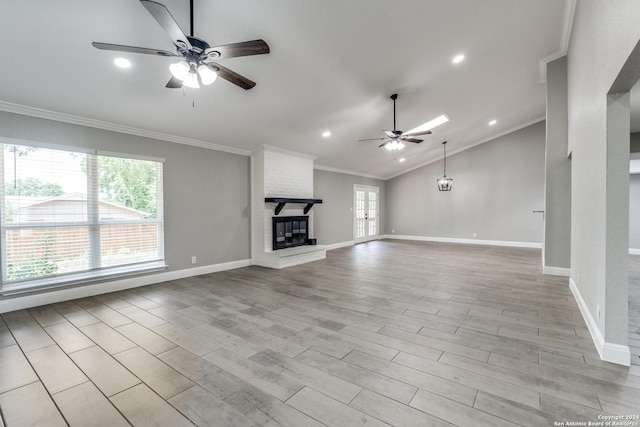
(366, 220)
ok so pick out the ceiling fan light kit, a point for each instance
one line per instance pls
(394, 145)
(444, 182)
(207, 75)
(180, 70)
(195, 67)
(191, 80)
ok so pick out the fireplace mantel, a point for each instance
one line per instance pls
(282, 201)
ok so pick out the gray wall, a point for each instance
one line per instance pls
(496, 187)
(634, 211)
(634, 199)
(604, 33)
(635, 142)
(557, 205)
(333, 219)
(206, 192)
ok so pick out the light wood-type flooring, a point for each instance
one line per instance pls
(383, 333)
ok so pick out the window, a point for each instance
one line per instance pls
(68, 217)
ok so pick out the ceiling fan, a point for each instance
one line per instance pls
(196, 55)
(395, 138)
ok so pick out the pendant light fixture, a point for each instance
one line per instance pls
(445, 183)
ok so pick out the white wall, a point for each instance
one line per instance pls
(604, 33)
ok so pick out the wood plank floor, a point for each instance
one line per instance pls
(383, 333)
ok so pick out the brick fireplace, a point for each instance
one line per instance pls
(281, 174)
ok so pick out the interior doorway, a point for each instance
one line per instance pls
(366, 218)
(621, 310)
(634, 227)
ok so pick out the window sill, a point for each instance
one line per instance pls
(76, 279)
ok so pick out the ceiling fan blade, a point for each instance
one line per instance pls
(389, 133)
(166, 21)
(417, 141)
(383, 144)
(372, 139)
(132, 49)
(426, 132)
(231, 76)
(174, 83)
(253, 47)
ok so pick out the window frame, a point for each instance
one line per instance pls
(95, 272)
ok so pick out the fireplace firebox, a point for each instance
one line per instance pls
(290, 231)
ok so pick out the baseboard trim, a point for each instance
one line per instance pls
(340, 245)
(634, 251)
(556, 271)
(34, 300)
(609, 352)
(533, 245)
(616, 353)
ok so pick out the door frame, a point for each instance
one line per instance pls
(367, 189)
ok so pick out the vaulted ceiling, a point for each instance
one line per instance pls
(333, 65)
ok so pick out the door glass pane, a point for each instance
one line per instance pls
(373, 213)
(360, 214)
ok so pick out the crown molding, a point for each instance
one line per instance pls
(567, 23)
(99, 124)
(467, 147)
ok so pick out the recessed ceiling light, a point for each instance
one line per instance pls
(326, 134)
(122, 62)
(441, 119)
(458, 59)
(401, 159)
(493, 122)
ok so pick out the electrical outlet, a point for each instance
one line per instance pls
(393, 231)
(193, 260)
(475, 234)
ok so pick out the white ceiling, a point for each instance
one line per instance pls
(333, 65)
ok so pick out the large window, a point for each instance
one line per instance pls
(69, 216)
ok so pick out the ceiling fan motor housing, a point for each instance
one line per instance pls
(199, 47)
